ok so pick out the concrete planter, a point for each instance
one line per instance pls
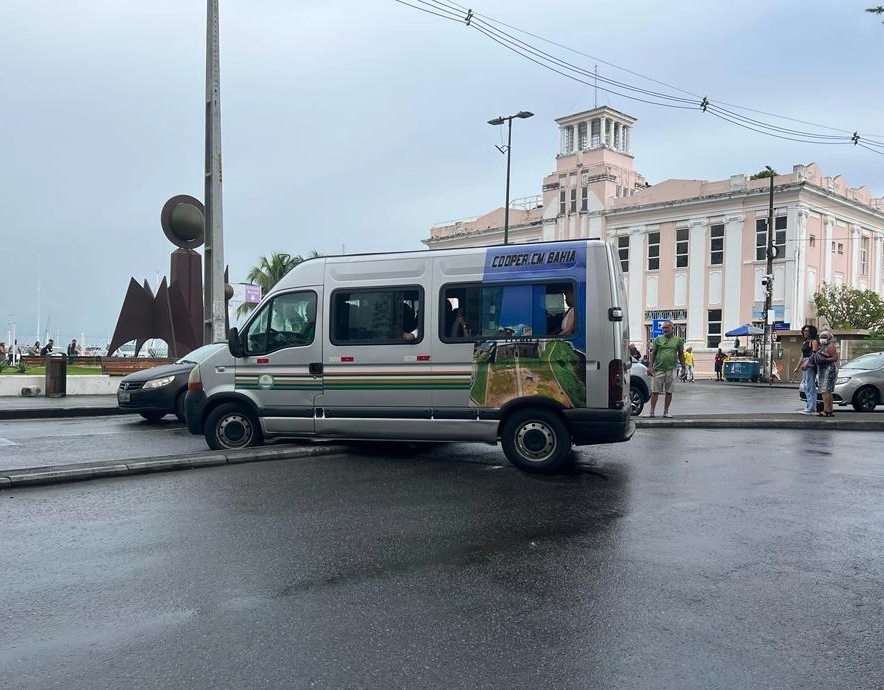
(75, 385)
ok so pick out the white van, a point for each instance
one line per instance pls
(523, 344)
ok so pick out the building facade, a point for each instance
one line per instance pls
(695, 251)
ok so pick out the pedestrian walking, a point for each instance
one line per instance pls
(826, 360)
(667, 352)
(720, 359)
(808, 370)
(688, 375)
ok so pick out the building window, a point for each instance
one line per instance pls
(713, 327)
(594, 137)
(584, 199)
(681, 247)
(584, 178)
(833, 246)
(811, 242)
(653, 251)
(573, 200)
(562, 200)
(569, 139)
(864, 256)
(581, 136)
(716, 245)
(779, 238)
(623, 252)
(840, 248)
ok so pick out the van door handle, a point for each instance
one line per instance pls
(315, 368)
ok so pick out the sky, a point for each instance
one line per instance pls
(355, 125)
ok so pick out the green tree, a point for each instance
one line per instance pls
(762, 174)
(268, 272)
(846, 307)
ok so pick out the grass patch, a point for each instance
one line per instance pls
(41, 371)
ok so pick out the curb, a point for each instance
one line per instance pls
(115, 468)
(50, 412)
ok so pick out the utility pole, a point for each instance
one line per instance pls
(767, 348)
(214, 304)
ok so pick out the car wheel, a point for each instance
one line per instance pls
(636, 401)
(153, 417)
(179, 407)
(536, 440)
(232, 426)
(865, 399)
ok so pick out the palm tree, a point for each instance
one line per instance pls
(269, 272)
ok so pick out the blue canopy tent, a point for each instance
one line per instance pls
(745, 329)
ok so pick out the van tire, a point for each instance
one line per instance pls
(231, 426)
(536, 440)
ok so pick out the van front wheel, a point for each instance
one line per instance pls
(536, 440)
(232, 426)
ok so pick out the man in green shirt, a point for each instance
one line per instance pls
(667, 351)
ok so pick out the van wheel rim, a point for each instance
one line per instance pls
(235, 431)
(536, 441)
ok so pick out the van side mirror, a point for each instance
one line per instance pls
(234, 342)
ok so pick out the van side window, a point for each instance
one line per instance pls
(289, 320)
(470, 312)
(371, 316)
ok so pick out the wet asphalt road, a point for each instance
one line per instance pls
(683, 559)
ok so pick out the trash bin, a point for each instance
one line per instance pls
(56, 375)
(742, 370)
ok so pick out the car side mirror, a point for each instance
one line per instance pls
(234, 343)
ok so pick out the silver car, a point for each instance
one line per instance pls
(860, 382)
(639, 387)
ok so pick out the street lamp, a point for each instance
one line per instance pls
(522, 114)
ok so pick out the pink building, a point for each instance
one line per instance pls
(694, 251)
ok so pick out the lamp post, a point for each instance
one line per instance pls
(522, 114)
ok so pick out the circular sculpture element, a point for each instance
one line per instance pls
(184, 221)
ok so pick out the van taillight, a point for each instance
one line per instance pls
(616, 384)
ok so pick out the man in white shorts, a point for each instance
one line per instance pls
(667, 352)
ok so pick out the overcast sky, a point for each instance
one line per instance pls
(355, 125)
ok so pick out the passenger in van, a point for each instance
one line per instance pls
(459, 327)
(409, 324)
(569, 321)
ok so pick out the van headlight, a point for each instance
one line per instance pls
(841, 380)
(159, 383)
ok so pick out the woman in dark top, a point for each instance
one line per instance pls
(808, 377)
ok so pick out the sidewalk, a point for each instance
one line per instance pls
(845, 419)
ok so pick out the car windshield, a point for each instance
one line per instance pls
(873, 360)
(198, 355)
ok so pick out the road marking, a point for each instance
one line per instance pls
(7, 442)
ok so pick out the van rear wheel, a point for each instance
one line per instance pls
(536, 440)
(232, 425)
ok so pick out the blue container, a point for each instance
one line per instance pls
(742, 370)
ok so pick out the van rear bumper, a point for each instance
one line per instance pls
(590, 427)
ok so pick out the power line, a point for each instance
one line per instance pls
(488, 27)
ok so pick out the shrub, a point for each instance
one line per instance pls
(22, 367)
